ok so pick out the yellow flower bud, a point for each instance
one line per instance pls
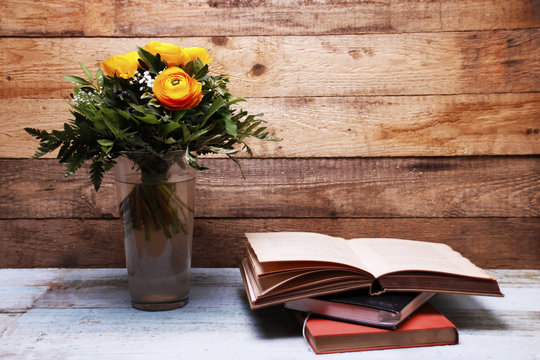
(191, 54)
(123, 66)
(172, 54)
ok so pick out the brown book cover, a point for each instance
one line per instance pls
(427, 327)
(284, 266)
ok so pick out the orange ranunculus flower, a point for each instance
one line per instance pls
(123, 66)
(172, 54)
(176, 90)
(191, 54)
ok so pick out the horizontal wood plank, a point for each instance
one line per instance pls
(20, 278)
(72, 318)
(107, 288)
(492, 124)
(521, 279)
(86, 287)
(344, 187)
(225, 17)
(491, 243)
(374, 64)
(470, 303)
(88, 316)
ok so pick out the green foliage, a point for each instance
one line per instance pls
(112, 115)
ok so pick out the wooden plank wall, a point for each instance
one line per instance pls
(415, 119)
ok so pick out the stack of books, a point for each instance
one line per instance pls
(357, 321)
(360, 294)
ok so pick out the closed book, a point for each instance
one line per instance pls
(387, 310)
(427, 327)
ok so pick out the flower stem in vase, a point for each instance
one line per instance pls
(153, 205)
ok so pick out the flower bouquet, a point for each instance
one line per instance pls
(159, 109)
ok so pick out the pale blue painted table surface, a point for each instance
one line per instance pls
(86, 314)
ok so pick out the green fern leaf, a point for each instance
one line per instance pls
(96, 172)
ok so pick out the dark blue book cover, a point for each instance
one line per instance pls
(387, 310)
(392, 302)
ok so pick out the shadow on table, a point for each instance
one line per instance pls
(464, 311)
(468, 312)
(272, 322)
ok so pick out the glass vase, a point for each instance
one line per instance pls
(156, 197)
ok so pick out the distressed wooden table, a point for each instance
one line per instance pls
(85, 314)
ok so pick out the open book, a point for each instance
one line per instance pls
(283, 266)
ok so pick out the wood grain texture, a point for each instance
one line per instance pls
(358, 187)
(88, 316)
(100, 288)
(351, 65)
(488, 242)
(484, 124)
(226, 18)
(525, 279)
(383, 105)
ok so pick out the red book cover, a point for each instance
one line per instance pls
(427, 327)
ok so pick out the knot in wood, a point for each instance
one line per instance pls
(258, 69)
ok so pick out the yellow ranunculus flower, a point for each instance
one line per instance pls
(176, 90)
(172, 54)
(191, 54)
(123, 66)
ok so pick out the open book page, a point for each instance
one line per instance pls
(296, 278)
(301, 246)
(383, 256)
(285, 268)
(306, 285)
